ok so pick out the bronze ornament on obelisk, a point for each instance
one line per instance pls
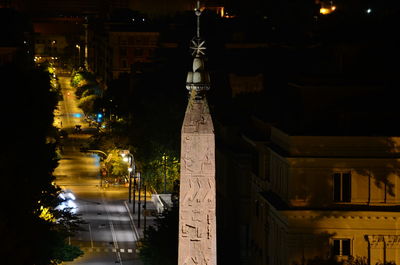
(197, 219)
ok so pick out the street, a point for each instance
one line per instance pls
(109, 235)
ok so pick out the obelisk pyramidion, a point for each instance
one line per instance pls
(197, 219)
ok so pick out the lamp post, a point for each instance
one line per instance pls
(128, 157)
(130, 184)
(164, 158)
(144, 208)
(79, 54)
(134, 193)
(139, 202)
(86, 43)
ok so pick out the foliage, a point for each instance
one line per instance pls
(66, 253)
(155, 171)
(153, 115)
(108, 141)
(84, 91)
(159, 246)
(87, 91)
(82, 78)
(26, 181)
(88, 104)
(115, 165)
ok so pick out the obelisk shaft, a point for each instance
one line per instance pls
(197, 219)
(197, 222)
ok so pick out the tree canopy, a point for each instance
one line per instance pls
(160, 243)
(28, 158)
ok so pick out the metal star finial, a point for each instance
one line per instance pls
(198, 80)
(197, 43)
(198, 47)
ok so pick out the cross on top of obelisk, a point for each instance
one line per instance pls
(197, 43)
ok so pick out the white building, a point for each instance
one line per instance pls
(325, 196)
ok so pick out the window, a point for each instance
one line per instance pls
(122, 52)
(257, 208)
(124, 64)
(138, 52)
(255, 163)
(342, 187)
(341, 247)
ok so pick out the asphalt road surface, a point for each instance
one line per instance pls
(109, 235)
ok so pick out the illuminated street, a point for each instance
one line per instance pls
(200, 132)
(108, 235)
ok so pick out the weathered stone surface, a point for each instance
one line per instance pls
(197, 224)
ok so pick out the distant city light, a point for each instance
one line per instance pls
(99, 117)
(326, 11)
(369, 10)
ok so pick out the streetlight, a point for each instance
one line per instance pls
(79, 54)
(164, 158)
(134, 193)
(144, 208)
(130, 170)
(128, 157)
(139, 202)
(86, 44)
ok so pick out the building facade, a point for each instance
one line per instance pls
(129, 48)
(324, 196)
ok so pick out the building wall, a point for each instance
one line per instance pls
(7, 55)
(373, 181)
(372, 234)
(50, 45)
(233, 201)
(129, 48)
(295, 204)
(268, 242)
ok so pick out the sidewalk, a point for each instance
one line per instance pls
(149, 215)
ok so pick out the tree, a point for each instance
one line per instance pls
(87, 104)
(28, 158)
(155, 172)
(116, 166)
(82, 78)
(159, 246)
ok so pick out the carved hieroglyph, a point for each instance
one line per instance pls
(197, 223)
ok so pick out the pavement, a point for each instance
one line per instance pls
(111, 230)
(106, 217)
(147, 215)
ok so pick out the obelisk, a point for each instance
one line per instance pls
(197, 219)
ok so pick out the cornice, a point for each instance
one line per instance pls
(383, 216)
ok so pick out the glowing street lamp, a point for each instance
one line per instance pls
(128, 158)
(164, 159)
(79, 54)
